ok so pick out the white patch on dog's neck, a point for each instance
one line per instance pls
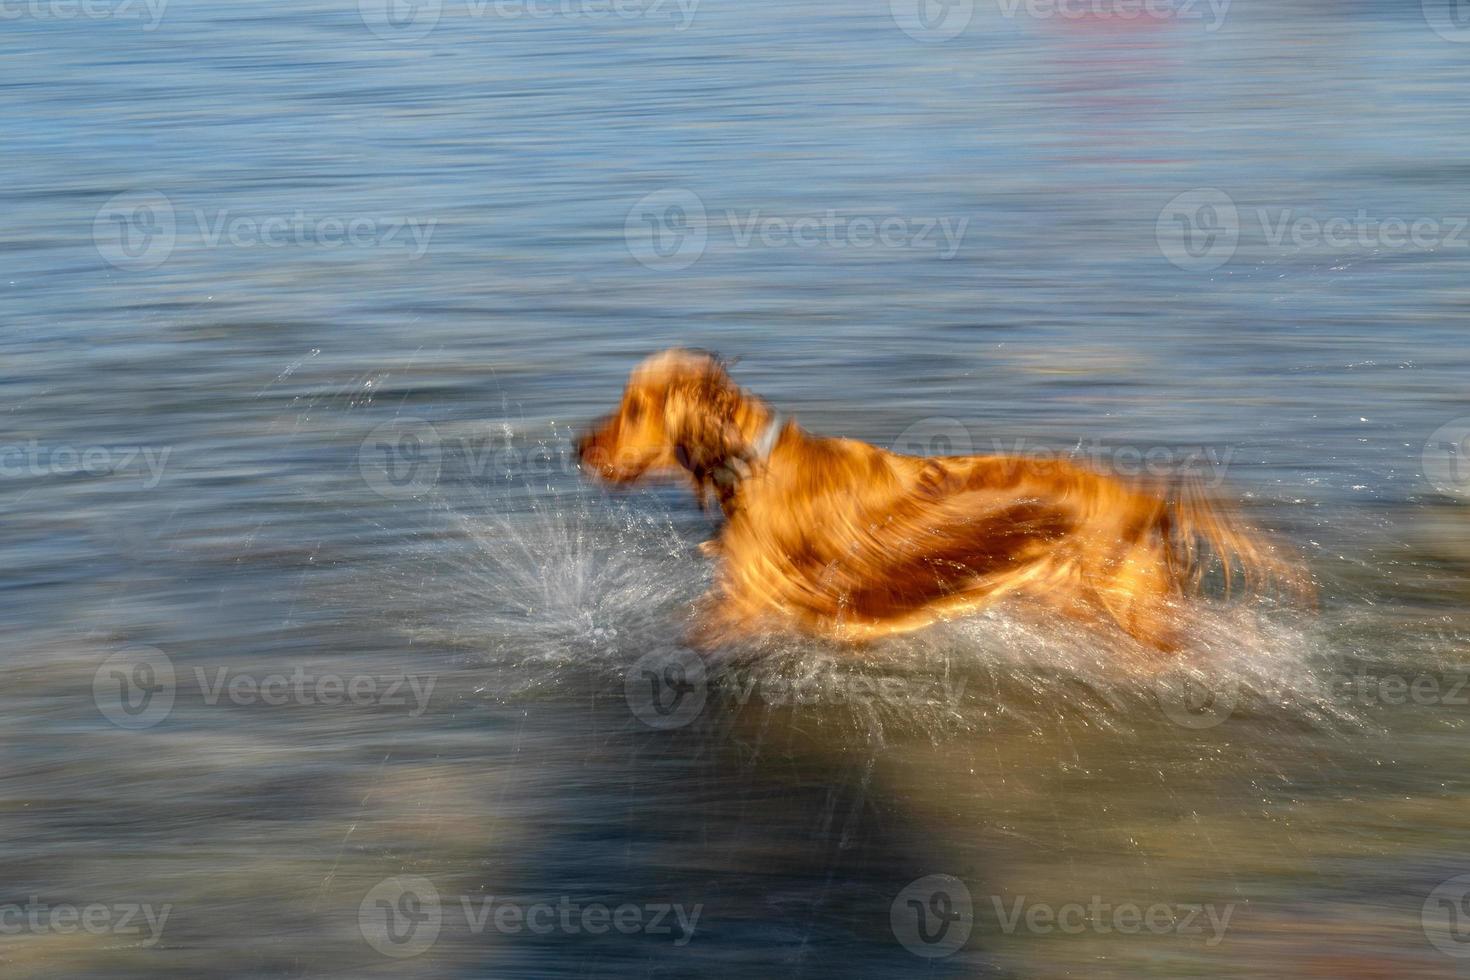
(766, 441)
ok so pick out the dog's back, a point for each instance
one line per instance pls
(844, 538)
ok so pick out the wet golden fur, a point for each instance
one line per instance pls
(841, 538)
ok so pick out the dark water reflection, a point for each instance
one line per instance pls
(1033, 766)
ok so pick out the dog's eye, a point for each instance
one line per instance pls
(635, 409)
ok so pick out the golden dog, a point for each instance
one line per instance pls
(844, 539)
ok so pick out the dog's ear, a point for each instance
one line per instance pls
(717, 359)
(700, 417)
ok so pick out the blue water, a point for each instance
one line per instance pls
(178, 280)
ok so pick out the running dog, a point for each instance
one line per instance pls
(846, 540)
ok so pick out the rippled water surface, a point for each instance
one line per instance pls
(253, 253)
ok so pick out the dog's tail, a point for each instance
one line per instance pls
(1202, 532)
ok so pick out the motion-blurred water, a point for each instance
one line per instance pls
(302, 302)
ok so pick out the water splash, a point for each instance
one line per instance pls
(569, 581)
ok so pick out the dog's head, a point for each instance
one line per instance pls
(680, 410)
